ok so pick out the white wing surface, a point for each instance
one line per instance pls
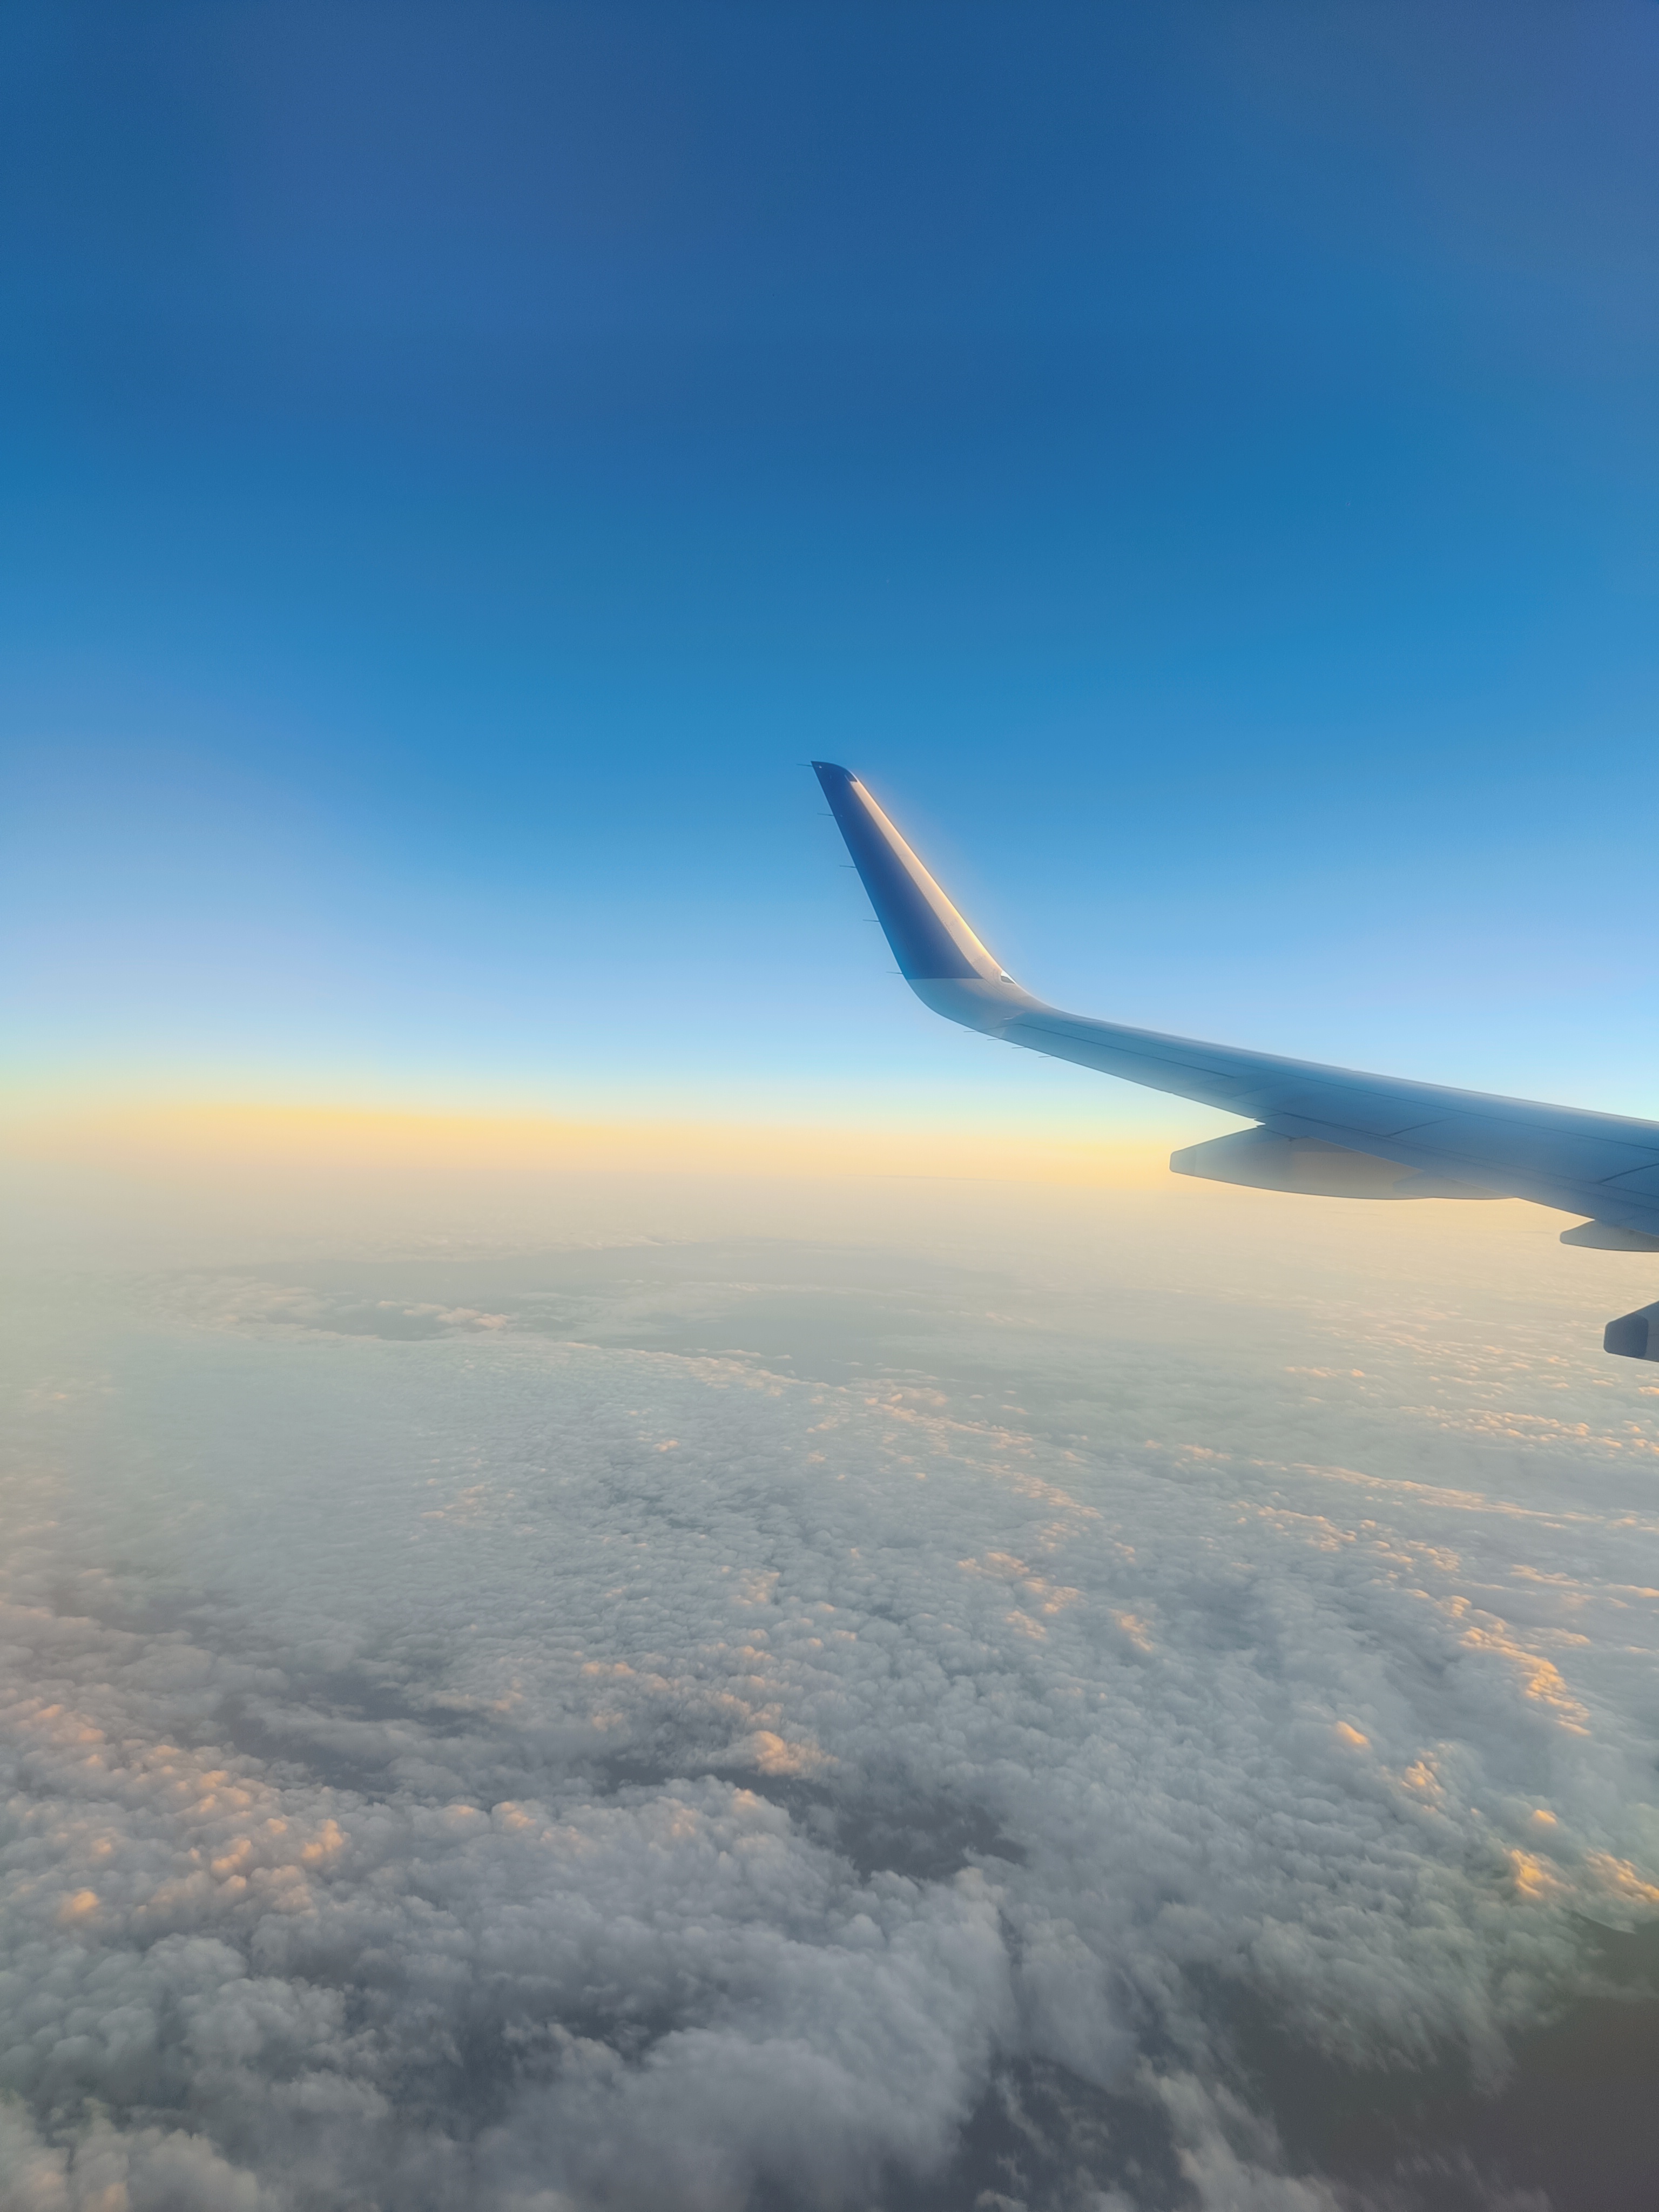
(1324, 1131)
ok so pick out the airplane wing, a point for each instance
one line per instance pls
(1324, 1131)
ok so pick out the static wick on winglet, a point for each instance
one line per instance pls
(1317, 1131)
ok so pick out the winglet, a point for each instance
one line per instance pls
(930, 941)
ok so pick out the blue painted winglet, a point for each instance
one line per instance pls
(930, 939)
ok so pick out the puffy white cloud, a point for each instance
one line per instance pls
(461, 1767)
(110, 2169)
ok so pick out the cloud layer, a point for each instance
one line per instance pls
(454, 1765)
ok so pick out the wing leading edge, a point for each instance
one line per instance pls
(1327, 1131)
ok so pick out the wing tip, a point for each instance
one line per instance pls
(930, 941)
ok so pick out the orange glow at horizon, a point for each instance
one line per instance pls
(151, 1137)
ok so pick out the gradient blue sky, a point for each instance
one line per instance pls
(1201, 464)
